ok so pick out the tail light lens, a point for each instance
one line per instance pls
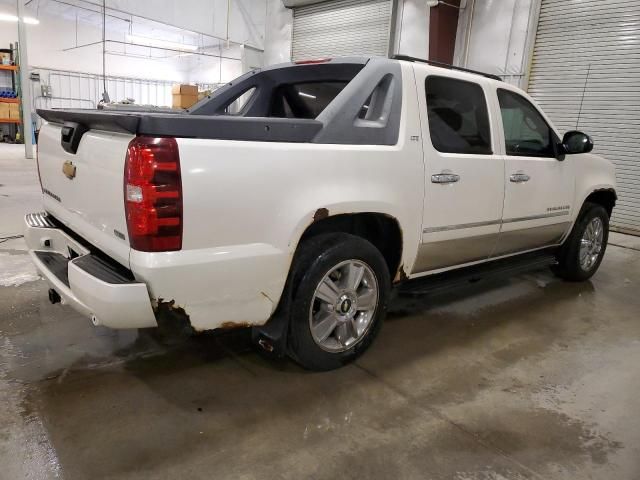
(153, 194)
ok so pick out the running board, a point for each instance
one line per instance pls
(452, 279)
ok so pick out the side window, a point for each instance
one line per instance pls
(526, 133)
(458, 117)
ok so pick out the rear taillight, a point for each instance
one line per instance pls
(153, 194)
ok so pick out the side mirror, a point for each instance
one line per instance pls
(577, 142)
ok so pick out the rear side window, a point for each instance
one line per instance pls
(526, 133)
(458, 117)
(303, 100)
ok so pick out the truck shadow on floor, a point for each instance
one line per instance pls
(449, 349)
(432, 323)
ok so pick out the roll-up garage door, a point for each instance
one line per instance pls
(587, 54)
(341, 27)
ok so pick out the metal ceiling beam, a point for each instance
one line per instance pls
(202, 54)
(175, 26)
(99, 12)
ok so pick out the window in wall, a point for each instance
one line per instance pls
(526, 133)
(235, 107)
(458, 117)
(303, 100)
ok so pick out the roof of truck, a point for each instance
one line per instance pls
(407, 58)
(363, 59)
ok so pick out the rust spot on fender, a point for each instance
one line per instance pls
(320, 214)
(401, 275)
(170, 305)
(232, 325)
(171, 316)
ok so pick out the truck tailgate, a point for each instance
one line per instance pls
(87, 196)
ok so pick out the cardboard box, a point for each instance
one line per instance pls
(14, 110)
(185, 90)
(4, 110)
(183, 101)
(204, 94)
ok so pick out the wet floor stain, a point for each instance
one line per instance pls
(16, 270)
(506, 380)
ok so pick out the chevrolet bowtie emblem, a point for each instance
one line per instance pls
(69, 169)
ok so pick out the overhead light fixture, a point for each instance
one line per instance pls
(154, 42)
(308, 95)
(5, 17)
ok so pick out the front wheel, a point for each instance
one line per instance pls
(339, 300)
(582, 253)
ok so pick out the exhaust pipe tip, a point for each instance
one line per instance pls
(54, 297)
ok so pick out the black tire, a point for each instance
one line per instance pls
(315, 258)
(569, 266)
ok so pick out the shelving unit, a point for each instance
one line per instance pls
(15, 123)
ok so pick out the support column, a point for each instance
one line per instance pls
(25, 85)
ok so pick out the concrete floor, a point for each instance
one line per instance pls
(528, 378)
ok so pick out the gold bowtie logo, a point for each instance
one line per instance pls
(69, 169)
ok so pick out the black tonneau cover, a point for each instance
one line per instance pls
(190, 126)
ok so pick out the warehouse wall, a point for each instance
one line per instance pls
(246, 17)
(278, 32)
(497, 37)
(216, 70)
(48, 40)
(411, 30)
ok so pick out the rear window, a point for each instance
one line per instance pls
(303, 100)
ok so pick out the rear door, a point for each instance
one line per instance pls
(464, 183)
(538, 187)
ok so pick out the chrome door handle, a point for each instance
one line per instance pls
(445, 178)
(519, 177)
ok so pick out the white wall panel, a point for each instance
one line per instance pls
(495, 37)
(246, 18)
(279, 26)
(412, 29)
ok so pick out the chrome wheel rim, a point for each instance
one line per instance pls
(591, 244)
(343, 306)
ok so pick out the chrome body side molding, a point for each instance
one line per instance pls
(448, 253)
(495, 222)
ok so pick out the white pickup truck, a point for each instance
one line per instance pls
(293, 199)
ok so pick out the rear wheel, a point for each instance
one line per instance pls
(339, 300)
(582, 253)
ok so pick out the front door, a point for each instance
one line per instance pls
(538, 187)
(464, 176)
